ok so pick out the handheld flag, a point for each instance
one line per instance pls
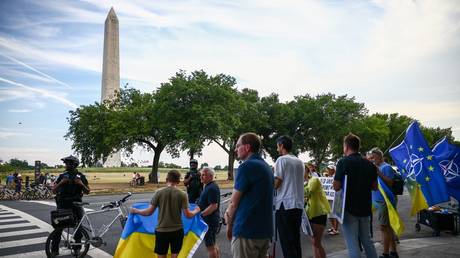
(400, 156)
(423, 167)
(396, 222)
(138, 236)
(448, 156)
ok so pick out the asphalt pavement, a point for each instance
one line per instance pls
(24, 226)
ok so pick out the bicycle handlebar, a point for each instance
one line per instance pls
(226, 194)
(117, 203)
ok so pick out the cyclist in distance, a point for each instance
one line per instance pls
(70, 187)
(193, 182)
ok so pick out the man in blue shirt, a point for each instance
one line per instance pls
(249, 215)
(209, 203)
(386, 173)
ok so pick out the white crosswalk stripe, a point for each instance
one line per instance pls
(6, 231)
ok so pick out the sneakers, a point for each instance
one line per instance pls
(390, 255)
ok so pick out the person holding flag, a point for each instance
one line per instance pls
(171, 202)
(385, 176)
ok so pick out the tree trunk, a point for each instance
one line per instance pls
(231, 161)
(153, 176)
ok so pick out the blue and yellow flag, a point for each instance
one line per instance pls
(423, 166)
(400, 156)
(138, 236)
(396, 222)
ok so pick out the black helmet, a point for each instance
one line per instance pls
(194, 161)
(71, 159)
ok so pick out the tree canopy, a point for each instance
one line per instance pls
(192, 110)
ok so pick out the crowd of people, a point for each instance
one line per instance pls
(291, 190)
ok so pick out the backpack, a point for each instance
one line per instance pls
(398, 184)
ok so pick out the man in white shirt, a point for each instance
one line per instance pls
(289, 171)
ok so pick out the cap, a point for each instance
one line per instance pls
(71, 159)
(193, 161)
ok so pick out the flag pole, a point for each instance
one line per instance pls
(389, 147)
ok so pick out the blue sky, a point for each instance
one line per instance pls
(395, 56)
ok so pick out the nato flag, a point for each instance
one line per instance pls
(448, 156)
(424, 167)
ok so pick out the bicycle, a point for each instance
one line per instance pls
(69, 246)
(222, 211)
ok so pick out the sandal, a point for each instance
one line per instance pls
(330, 230)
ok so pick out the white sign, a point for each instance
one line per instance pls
(338, 205)
(327, 186)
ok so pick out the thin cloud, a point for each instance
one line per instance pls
(20, 110)
(36, 70)
(43, 93)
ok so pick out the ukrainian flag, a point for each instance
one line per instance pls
(396, 222)
(138, 236)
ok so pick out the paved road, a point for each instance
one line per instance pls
(24, 226)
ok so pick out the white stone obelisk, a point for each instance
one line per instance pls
(111, 71)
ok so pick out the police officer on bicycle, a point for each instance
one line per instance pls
(69, 187)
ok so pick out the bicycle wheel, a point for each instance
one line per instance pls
(67, 245)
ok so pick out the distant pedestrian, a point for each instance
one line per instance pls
(361, 180)
(249, 214)
(289, 200)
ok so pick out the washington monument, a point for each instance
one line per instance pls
(111, 71)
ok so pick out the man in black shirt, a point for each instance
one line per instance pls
(69, 187)
(361, 180)
(192, 182)
(209, 203)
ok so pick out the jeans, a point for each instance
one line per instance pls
(357, 229)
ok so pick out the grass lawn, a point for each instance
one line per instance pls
(113, 180)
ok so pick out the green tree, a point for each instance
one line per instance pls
(246, 118)
(278, 120)
(205, 109)
(323, 121)
(19, 164)
(134, 118)
(373, 131)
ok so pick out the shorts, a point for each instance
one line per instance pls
(319, 220)
(164, 239)
(382, 214)
(210, 237)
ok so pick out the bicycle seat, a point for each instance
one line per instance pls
(80, 204)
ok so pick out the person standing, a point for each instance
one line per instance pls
(193, 182)
(386, 173)
(171, 202)
(289, 200)
(317, 208)
(249, 214)
(209, 203)
(334, 230)
(361, 180)
(69, 187)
